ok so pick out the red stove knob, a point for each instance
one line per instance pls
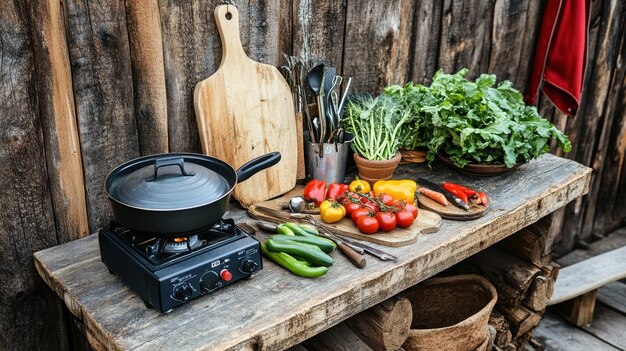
(226, 275)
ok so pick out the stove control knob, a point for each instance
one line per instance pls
(183, 292)
(248, 266)
(208, 282)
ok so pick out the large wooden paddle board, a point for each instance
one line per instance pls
(244, 110)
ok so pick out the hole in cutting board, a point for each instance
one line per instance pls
(229, 15)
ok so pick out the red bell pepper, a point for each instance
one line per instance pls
(458, 193)
(315, 191)
(483, 198)
(335, 190)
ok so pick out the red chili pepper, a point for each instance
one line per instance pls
(471, 193)
(315, 191)
(483, 198)
(458, 193)
(335, 190)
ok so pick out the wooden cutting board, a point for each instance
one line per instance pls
(426, 222)
(244, 110)
(451, 211)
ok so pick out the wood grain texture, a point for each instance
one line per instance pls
(190, 53)
(146, 53)
(609, 326)
(103, 92)
(465, 42)
(427, 222)
(27, 222)
(612, 295)
(425, 40)
(556, 334)
(337, 338)
(117, 318)
(509, 22)
(611, 242)
(589, 274)
(529, 244)
(451, 211)
(382, 29)
(56, 103)
(579, 310)
(318, 30)
(245, 110)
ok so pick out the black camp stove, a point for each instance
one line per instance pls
(167, 272)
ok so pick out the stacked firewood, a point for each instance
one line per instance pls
(520, 269)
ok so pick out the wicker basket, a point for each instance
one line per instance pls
(413, 156)
(450, 313)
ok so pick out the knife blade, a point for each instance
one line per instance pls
(370, 250)
(451, 197)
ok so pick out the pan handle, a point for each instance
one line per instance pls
(169, 161)
(256, 165)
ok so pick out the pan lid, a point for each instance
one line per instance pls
(170, 181)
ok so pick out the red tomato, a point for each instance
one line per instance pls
(372, 207)
(412, 208)
(367, 225)
(358, 213)
(404, 219)
(386, 221)
(351, 207)
(386, 199)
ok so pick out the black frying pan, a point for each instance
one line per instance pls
(178, 194)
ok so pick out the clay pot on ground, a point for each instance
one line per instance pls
(375, 170)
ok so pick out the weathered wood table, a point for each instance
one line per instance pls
(276, 309)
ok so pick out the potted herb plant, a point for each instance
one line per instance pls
(375, 124)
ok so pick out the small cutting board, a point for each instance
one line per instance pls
(451, 211)
(244, 110)
(426, 222)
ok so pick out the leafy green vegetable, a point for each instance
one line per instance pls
(375, 123)
(474, 122)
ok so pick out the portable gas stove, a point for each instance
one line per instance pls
(166, 273)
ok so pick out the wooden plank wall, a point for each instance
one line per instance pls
(86, 85)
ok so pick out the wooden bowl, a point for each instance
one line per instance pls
(478, 169)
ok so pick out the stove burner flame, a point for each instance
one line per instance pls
(185, 244)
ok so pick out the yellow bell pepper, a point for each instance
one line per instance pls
(332, 211)
(398, 189)
(360, 186)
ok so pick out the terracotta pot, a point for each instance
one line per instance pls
(413, 156)
(375, 170)
(450, 313)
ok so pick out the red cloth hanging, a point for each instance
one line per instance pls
(561, 54)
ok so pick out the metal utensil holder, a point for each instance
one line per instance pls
(331, 167)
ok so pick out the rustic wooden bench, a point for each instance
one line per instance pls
(275, 309)
(577, 285)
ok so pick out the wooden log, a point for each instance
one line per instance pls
(539, 293)
(465, 42)
(146, 53)
(510, 275)
(528, 244)
(30, 313)
(502, 328)
(318, 30)
(579, 311)
(383, 30)
(385, 326)
(425, 41)
(56, 103)
(521, 319)
(337, 338)
(103, 92)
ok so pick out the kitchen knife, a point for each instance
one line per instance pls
(432, 186)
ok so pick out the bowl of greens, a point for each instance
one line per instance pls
(478, 126)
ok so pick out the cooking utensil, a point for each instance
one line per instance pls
(245, 110)
(370, 250)
(455, 200)
(173, 195)
(345, 93)
(353, 256)
(316, 79)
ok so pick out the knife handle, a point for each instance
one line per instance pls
(356, 258)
